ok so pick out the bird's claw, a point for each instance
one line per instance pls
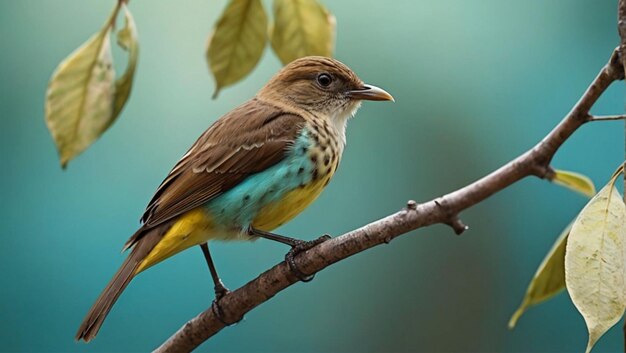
(220, 292)
(297, 249)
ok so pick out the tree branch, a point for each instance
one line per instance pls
(444, 209)
(621, 30)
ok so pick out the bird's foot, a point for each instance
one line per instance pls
(296, 249)
(220, 292)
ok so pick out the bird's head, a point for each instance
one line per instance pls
(322, 86)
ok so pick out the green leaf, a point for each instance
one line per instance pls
(237, 43)
(549, 279)
(302, 28)
(83, 98)
(594, 262)
(574, 181)
(127, 40)
(79, 102)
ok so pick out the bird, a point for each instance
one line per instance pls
(250, 172)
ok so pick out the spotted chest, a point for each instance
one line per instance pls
(268, 199)
(325, 149)
(321, 153)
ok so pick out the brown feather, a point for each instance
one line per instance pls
(98, 312)
(249, 139)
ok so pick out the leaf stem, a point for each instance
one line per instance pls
(111, 22)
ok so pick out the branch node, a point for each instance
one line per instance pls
(550, 173)
(543, 171)
(388, 239)
(411, 205)
(451, 218)
(458, 225)
(614, 68)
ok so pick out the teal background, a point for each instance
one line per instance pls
(476, 83)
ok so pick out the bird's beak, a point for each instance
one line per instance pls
(370, 93)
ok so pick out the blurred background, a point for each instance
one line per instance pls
(476, 83)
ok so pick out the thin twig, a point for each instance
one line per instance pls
(444, 209)
(606, 117)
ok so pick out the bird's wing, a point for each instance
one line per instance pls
(247, 140)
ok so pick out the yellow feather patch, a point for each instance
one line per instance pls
(196, 226)
(277, 213)
(191, 228)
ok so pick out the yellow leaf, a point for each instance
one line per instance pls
(574, 181)
(302, 28)
(237, 42)
(127, 39)
(594, 262)
(549, 279)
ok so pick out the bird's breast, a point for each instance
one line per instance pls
(270, 198)
(318, 150)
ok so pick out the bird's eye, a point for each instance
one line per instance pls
(324, 80)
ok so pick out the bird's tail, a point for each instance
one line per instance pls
(98, 312)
